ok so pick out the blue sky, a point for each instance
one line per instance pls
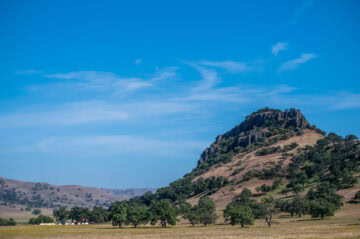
(127, 94)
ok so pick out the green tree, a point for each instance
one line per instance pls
(269, 208)
(183, 207)
(163, 211)
(79, 214)
(137, 214)
(239, 214)
(322, 208)
(300, 206)
(357, 195)
(244, 198)
(265, 188)
(98, 215)
(297, 188)
(351, 137)
(118, 213)
(207, 211)
(61, 214)
(327, 192)
(193, 215)
(40, 219)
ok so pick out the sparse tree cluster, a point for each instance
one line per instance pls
(7, 222)
(40, 219)
(81, 214)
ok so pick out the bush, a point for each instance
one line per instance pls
(10, 222)
(269, 150)
(239, 214)
(322, 208)
(276, 183)
(289, 147)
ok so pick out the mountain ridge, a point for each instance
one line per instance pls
(27, 195)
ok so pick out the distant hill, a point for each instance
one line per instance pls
(27, 195)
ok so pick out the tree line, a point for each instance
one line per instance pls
(242, 210)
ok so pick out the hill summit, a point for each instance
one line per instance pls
(256, 127)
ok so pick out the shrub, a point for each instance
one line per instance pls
(5, 222)
(289, 147)
(268, 150)
(239, 214)
(322, 208)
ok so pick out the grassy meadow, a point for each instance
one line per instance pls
(345, 224)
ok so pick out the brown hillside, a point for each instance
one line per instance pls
(21, 195)
(250, 161)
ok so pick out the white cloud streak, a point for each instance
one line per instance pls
(232, 66)
(210, 78)
(280, 46)
(298, 12)
(90, 112)
(113, 144)
(346, 100)
(28, 72)
(66, 114)
(295, 63)
(95, 80)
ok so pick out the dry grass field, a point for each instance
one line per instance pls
(345, 224)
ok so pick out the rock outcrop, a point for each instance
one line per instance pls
(255, 128)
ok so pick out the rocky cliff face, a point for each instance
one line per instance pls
(254, 129)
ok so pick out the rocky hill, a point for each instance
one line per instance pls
(265, 147)
(28, 195)
(272, 152)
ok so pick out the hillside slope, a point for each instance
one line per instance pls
(272, 153)
(18, 194)
(259, 151)
(243, 163)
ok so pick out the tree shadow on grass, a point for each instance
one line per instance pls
(127, 228)
(350, 224)
(311, 219)
(287, 216)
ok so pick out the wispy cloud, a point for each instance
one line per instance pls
(278, 47)
(96, 80)
(233, 66)
(210, 77)
(28, 72)
(219, 95)
(298, 12)
(164, 74)
(346, 100)
(113, 144)
(102, 82)
(66, 114)
(295, 63)
(87, 112)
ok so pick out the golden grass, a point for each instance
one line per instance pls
(345, 224)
